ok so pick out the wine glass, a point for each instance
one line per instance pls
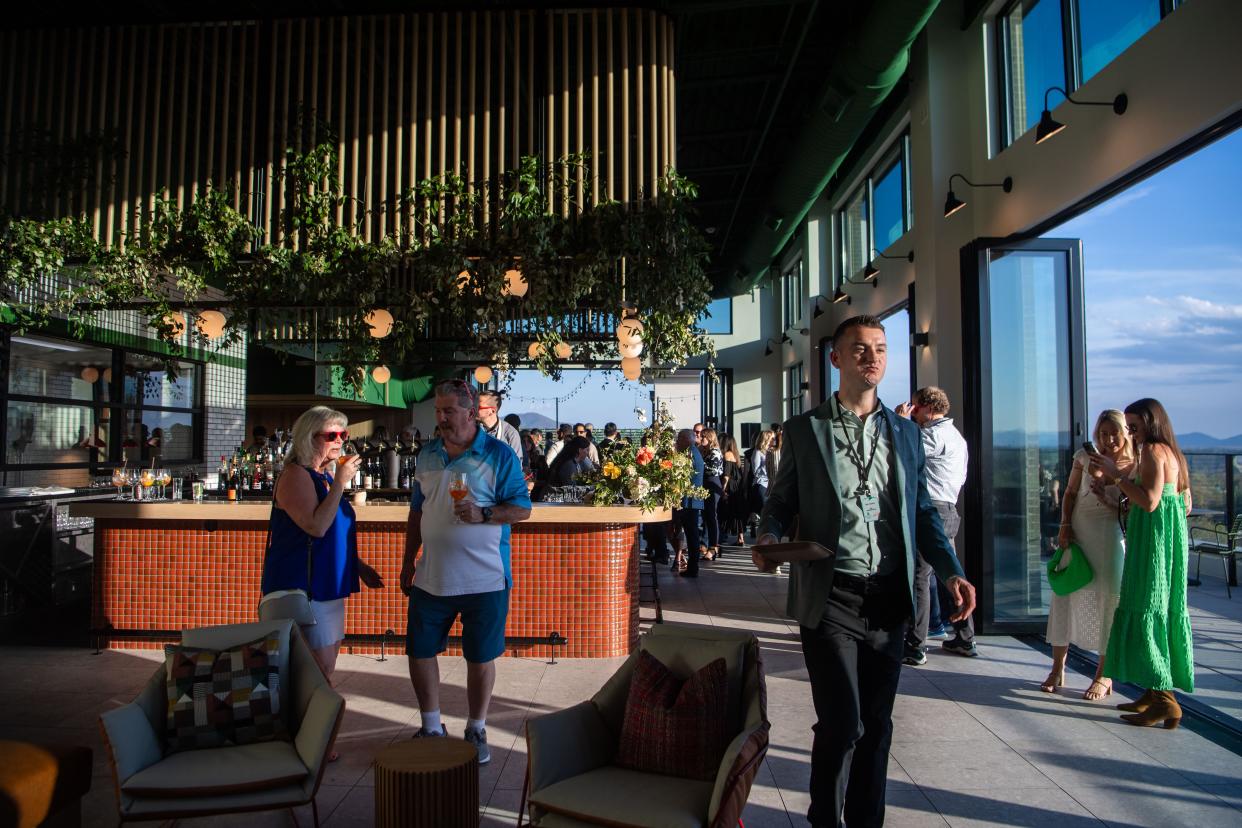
(164, 477)
(348, 449)
(119, 479)
(146, 480)
(459, 487)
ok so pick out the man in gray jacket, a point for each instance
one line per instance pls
(852, 478)
(489, 418)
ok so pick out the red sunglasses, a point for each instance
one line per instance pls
(330, 436)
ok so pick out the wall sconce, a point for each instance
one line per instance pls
(784, 340)
(818, 311)
(1049, 127)
(871, 271)
(952, 203)
(920, 339)
(804, 386)
(840, 296)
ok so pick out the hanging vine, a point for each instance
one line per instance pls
(446, 275)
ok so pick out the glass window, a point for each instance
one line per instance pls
(828, 379)
(1034, 59)
(148, 383)
(718, 316)
(1106, 28)
(792, 293)
(62, 369)
(895, 387)
(163, 436)
(40, 433)
(889, 197)
(793, 390)
(855, 234)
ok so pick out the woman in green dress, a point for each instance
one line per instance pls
(1150, 643)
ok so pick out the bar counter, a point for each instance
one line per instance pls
(161, 567)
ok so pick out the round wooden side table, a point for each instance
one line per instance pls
(427, 783)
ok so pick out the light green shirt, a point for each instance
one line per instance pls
(866, 548)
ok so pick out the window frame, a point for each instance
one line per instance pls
(892, 152)
(703, 321)
(120, 411)
(1071, 56)
(791, 299)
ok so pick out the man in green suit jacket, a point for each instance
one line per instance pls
(852, 479)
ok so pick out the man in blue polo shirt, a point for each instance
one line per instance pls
(464, 568)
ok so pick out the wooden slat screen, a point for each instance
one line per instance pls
(406, 96)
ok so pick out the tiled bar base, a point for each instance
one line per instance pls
(156, 577)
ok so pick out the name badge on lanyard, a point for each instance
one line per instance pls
(868, 502)
(870, 507)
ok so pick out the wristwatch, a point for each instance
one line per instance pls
(487, 513)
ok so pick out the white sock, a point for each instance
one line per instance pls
(475, 724)
(431, 721)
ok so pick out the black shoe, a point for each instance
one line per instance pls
(915, 656)
(662, 560)
(959, 647)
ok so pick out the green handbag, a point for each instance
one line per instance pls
(1076, 574)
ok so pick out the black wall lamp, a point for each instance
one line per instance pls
(920, 339)
(952, 203)
(767, 350)
(1049, 127)
(871, 271)
(818, 312)
(840, 297)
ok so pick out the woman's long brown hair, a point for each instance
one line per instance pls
(1159, 429)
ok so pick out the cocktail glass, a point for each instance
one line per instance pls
(146, 480)
(163, 477)
(120, 479)
(459, 487)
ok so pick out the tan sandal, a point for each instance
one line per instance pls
(1091, 694)
(1053, 681)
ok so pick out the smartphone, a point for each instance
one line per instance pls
(1089, 447)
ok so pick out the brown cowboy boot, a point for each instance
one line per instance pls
(1164, 708)
(1140, 704)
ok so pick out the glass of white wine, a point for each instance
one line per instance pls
(459, 487)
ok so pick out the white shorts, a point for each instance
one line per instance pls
(329, 626)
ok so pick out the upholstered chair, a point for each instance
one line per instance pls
(155, 784)
(570, 776)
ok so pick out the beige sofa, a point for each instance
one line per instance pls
(570, 778)
(255, 777)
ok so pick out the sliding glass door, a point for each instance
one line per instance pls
(1025, 398)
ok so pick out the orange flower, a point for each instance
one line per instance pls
(645, 455)
(666, 464)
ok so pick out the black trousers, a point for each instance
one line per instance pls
(688, 519)
(854, 661)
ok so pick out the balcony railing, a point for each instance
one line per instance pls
(1213, 486)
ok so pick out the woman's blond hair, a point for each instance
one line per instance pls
(710, 437)
(1112, 415)
(306, 427)
(763, 440)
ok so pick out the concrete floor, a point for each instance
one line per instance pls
(976, 743)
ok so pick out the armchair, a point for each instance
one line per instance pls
(1218, 539)
(254, 777)
(570, 778)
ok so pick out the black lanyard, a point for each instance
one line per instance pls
(864, 472)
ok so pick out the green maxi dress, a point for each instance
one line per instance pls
(1150, 644)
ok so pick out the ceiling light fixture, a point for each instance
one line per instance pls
(952, 203)
(1049, 126)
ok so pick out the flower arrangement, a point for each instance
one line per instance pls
(654, 476)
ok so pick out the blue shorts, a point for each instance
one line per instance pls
(483, 616)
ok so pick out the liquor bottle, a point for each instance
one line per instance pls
(222, 477)
(403, 480)
(368, 480)
(232, 492)
(260, 478)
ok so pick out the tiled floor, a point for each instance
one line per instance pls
(976, 743)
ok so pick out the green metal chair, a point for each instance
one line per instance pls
(1222, 540)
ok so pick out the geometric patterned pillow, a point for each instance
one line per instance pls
(672, 726)
(218, 698)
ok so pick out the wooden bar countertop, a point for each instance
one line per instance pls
(369, 513)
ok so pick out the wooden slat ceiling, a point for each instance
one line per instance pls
(747, 71)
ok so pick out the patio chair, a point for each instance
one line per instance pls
(1219, 539)
(570, 776)
(154, 784)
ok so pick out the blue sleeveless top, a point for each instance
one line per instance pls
(332, 569)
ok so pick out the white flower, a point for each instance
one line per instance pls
(638, 489)
(631, 471)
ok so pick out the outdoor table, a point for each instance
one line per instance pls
(427, 783)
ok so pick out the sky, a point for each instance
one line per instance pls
(1163, 274)
(1163, 278)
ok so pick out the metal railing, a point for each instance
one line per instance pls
(1213, 485)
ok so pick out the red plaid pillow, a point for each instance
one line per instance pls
(675, 726)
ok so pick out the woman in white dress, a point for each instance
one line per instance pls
(1089, 518)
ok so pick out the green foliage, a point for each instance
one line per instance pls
(572, 259)
(655, 476)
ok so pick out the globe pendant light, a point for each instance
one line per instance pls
(90, 374)
(483, 374)
(631, 368)
(515, 283)
(535, 350)
(563, 350)
(632, 350)
(381, 374)
(629, 331)
(211, 323)
(380, 322)
(175, 321)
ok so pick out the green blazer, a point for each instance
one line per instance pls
(805, 490)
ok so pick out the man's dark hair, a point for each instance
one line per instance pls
(862, 320)
(610, 429)
(492, 395)
(258, 431)
(513, 420)
(777, 427)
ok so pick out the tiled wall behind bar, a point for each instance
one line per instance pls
(580, 580)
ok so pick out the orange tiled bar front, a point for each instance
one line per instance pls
(163, 567)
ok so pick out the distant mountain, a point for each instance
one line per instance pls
(1197, 440)
(531, 419)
